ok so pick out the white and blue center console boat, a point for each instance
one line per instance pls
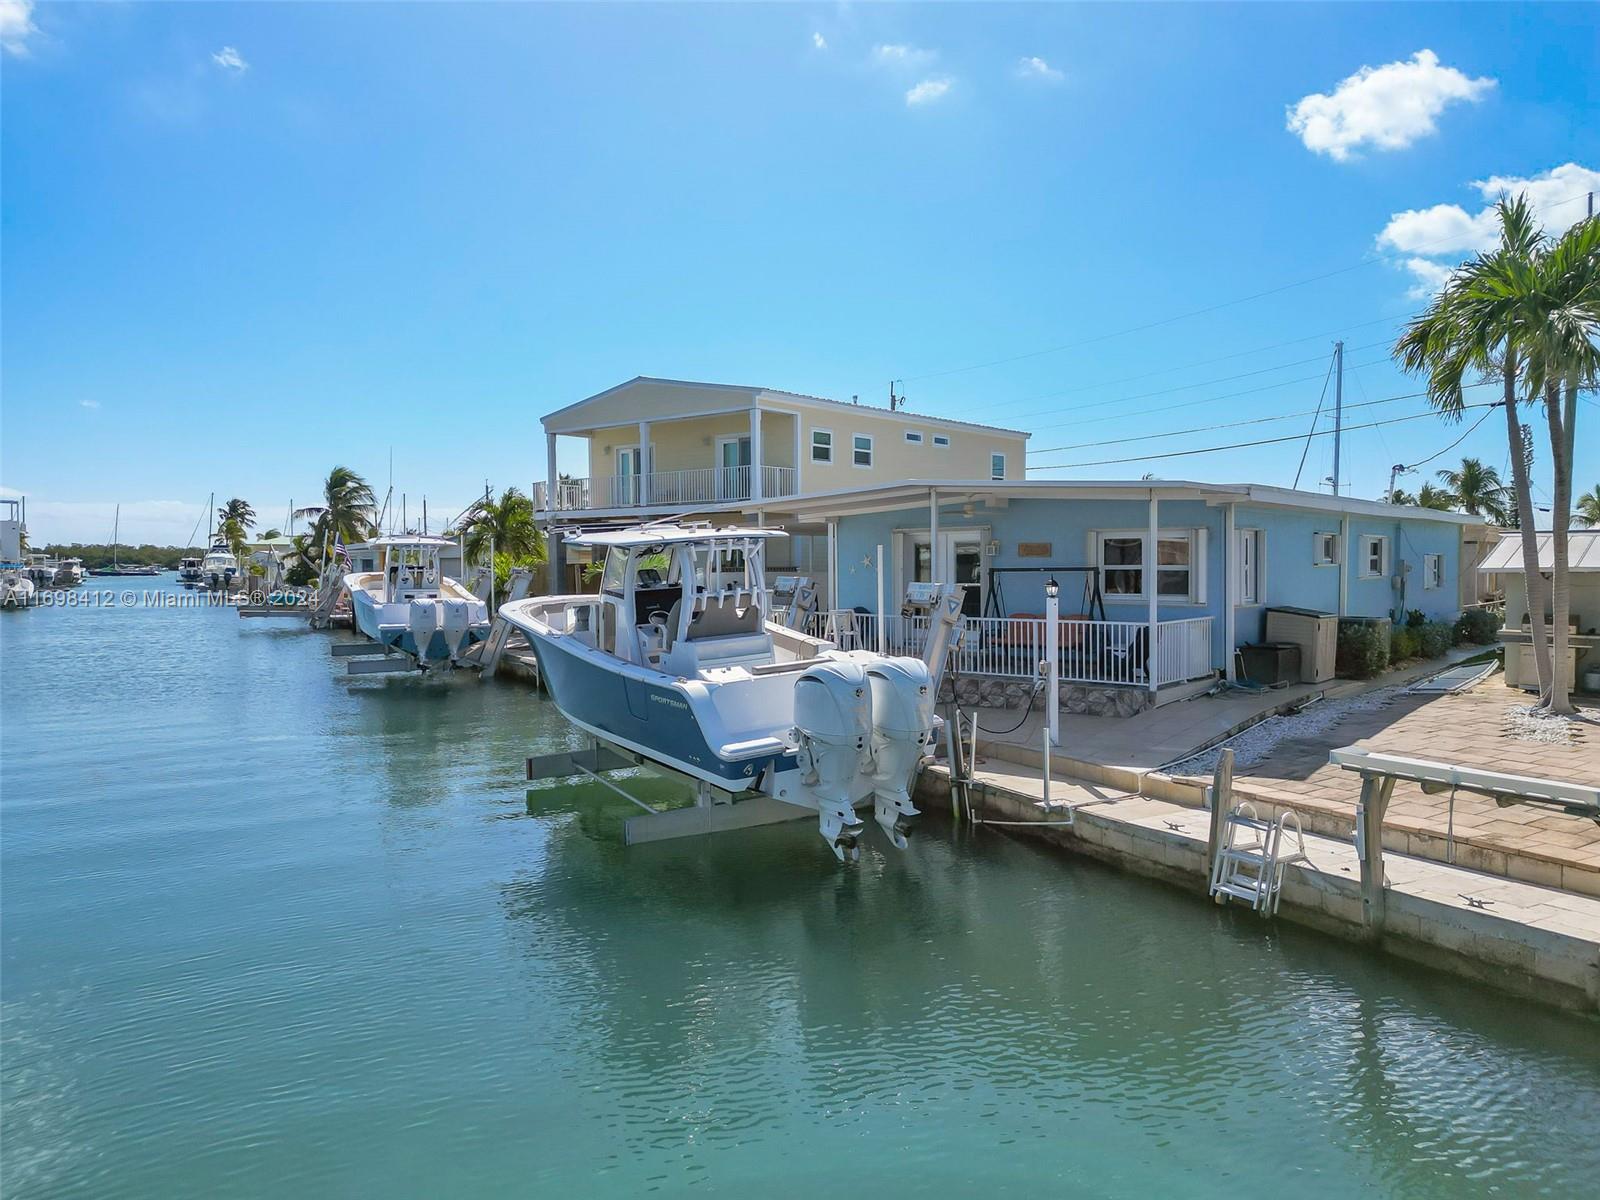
(675, 661)
(409, 605)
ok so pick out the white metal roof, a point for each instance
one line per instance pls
(1583, 552)
(665, 533)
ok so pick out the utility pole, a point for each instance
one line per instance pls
(1338, 410)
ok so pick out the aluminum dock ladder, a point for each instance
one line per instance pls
(1250, 861)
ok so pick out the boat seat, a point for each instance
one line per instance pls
(723, 617)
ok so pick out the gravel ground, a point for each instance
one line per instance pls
(1525, 723)
(1257, 742)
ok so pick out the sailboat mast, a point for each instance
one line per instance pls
(116, 532)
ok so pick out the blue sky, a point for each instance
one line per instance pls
(245, 242)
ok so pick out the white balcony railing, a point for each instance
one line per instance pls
(1092, 652)
(696, 485)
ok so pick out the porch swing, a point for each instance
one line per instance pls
(1087, 652)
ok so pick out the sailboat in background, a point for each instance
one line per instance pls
(116, 568)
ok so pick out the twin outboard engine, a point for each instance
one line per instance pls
(862, 724)
(423, 621)
(457, 620)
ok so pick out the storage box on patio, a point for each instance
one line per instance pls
(1271, 662)
(1317, 635)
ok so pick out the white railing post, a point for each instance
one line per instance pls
(881, 629)
(1052, 652)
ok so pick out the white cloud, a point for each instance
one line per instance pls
(88, 404)
(1388, 107)
(1033, 67)
(927, 92)
(16, 23)
(230, 59)
(1437, 238)
(902, 57)
(820, 42)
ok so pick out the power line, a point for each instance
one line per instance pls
(1199, 312)
(1293, 437)
(1459, 440)
(1314, 419)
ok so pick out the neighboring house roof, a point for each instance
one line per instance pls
(565, 420)
(911, 492)
(1583, 552)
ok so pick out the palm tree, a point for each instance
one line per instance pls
(1589, 507)
(238, 511)
(270, 534)
(231, 531)
(1475, 324)
(1477, 489)
(1429, 496)
(347, 512)
(1401, 496)
(508, 525)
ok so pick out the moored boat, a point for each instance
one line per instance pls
(410, 606)
(219, 568)
(675, 661)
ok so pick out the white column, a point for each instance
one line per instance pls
(644, 462)
(883, 616)
(1230, 584)
(550, 474)
(1344, 562)
(833, 566)
(755, 454)
(935, 561)
(1152, 612)
(1052, 674)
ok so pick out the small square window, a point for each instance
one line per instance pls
(942, 441)
(997, 466)
(861, 450)
(914, 436)
(821, 445)
(1433, 571)
(1374, 556)
(1325, 549)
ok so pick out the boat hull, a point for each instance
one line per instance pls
(656, 720)
(368, 617)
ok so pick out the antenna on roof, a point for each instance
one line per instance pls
(897, 402)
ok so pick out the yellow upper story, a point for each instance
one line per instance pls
(703, 441)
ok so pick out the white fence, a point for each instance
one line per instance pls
(695, 485)
(1092, 652)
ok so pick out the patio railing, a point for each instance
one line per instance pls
(1111, 653)
(694, 485)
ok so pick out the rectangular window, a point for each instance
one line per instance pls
(997, 466)
(1374, 556)
(914, 436)
(1433, 570)
(1325, 549)
(861, 450)
(1122, 565)
(1249, 566)
(942, 441)
(822, 445)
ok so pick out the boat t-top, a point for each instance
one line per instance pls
(219, 568)
(409, 605)
(676, 662)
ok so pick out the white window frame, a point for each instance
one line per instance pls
(1195, 568)
(997, 454)
(914, 436)
(1366, 543)
(1432, 572)
(941, 441)
(1247, 585)
(870, 451)
(1318, 558)
(828, 458)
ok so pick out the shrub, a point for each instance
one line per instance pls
(1402, 644)
(1415, 618)
(1363, 650)
(1478, 626)
(1435, 638)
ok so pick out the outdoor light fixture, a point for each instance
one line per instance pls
(1052, 589)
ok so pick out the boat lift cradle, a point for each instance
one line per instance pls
(716, 810)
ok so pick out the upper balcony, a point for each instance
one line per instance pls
(692, 485)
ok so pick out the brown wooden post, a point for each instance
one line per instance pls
(1221, 803)
(1375, 793)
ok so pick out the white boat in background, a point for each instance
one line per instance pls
(69, 572)
(41, 568)
(189, 573)
(677, 663)
(219, 568)
(16, 587)
(409, 605)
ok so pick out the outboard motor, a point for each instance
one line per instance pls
(833, 727)
(457, 620)
(423, 621)
(903, 725)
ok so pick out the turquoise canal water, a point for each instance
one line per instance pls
(271, 933)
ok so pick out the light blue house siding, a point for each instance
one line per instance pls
(1288, 574)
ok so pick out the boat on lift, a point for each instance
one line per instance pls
(409, 605)
(189, 572)
(677, 662)
(219, 568)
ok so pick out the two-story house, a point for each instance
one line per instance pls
(665, 447)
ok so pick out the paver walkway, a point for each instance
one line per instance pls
(1469, 729)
